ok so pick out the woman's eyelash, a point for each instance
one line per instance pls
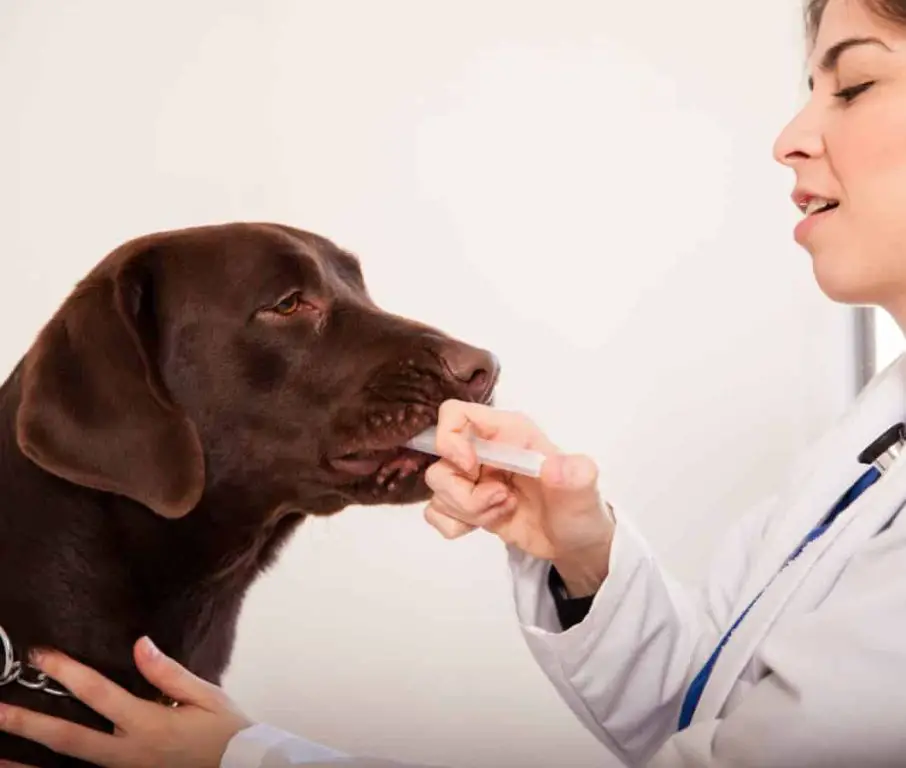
(848, 94)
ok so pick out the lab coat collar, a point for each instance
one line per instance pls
(829, 467)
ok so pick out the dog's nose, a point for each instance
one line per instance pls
(475, 368)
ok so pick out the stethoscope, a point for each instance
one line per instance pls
(881, 454)
(884, 449)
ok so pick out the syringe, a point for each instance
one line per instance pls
(492, 453)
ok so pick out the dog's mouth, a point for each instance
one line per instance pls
(379, 460)
(387, 467)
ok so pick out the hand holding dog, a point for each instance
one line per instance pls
(148, 735)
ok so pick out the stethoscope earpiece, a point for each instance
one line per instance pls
(885, 448)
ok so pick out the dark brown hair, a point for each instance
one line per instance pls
(890, 10)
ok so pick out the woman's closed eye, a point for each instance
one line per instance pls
(850, 93)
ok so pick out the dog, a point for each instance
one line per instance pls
(198, 395)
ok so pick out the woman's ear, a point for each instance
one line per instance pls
(94, 410)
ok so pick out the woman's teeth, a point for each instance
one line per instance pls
(819, 204)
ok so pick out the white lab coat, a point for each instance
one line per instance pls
(815, 675)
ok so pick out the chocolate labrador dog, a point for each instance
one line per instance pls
(197, 396)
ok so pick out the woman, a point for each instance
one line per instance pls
(814, 671)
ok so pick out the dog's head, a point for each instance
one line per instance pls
(244, 355)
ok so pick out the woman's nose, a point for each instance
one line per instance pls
(801, 139)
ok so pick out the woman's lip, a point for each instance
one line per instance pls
(804, 228)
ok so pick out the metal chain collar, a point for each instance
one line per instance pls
(13, 671)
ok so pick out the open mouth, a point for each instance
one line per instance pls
(380, 460)
(372, 461)
(387, 468)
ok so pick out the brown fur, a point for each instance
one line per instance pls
(168, 430)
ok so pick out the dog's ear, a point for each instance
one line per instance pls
(94, 409)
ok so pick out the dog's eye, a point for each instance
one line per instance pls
(297, 303)
(289, 305)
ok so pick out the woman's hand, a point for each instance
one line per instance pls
(558, 517)
(193, 735)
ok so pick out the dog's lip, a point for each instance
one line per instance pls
(403, 463)
(369, 457)
(368, 462)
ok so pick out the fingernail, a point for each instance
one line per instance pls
(581, 472)
(555, 470)
(151, 650)
(570, 472)
(498, 498)
(35, 657)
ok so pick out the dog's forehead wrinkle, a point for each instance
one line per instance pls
(347, 263)
(331, 260)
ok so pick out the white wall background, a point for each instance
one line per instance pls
(587, 188)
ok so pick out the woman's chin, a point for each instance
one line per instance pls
(842, 281)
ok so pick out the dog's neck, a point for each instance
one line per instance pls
(88, 572)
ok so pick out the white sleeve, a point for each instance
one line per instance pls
(260, 745)
(264, 746)
(624, 669)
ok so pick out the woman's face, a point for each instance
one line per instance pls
(847, 147)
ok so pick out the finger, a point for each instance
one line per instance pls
(448, 526)
(173, 679)
(570, 472)
(8, 764)
(90, 687)
(464, 498)
(458, 421)
(495, 518)
(437, 514)
(62, 736)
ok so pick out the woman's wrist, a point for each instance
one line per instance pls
(584, 569)
(583, 577)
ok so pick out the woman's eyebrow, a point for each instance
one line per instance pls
(832, 55)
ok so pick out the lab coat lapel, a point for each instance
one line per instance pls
(819, 488)
(827, 470)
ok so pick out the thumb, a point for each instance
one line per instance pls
(572, 475)
(173, 679)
